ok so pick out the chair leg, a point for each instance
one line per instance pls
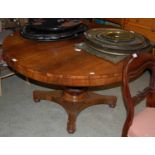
(27, 81)
(0, 87)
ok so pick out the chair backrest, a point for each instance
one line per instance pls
(134, 67)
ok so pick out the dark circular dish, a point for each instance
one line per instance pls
(61, 32)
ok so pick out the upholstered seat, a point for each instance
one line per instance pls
(143, 124)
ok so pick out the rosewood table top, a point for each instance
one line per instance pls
(60, 64)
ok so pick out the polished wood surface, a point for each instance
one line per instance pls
(58, 63)
(136, 66)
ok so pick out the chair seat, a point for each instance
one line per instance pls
(143, 124)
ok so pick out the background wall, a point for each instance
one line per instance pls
(12, 23)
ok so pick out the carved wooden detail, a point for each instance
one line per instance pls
(137, 66)
(74, 100)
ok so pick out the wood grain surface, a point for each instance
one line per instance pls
(58, 62)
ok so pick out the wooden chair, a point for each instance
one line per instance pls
(9, 73)
(143, 123)
(4, 71)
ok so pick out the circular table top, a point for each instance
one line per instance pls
(58, 62)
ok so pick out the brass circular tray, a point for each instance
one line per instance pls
(116, 41)
(115, 35)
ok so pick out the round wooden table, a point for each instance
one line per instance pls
(60, 64)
